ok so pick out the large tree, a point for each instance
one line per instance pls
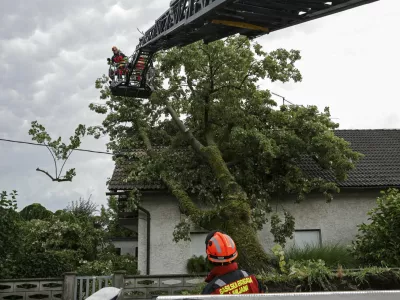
(211, 133)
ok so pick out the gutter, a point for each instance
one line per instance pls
(148, 228)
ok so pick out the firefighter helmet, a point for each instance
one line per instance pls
(220, 248)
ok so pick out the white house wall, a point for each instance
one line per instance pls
(166, 256)
(126, 246)
(337, 222)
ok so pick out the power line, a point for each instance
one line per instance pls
(109, 153)
(35, 144)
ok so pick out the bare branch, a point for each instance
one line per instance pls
(51, 152)
(64, 163)
(51, 177)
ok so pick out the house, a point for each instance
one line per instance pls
(125, 245)
(316, 220)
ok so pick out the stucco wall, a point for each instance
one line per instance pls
(166, 256)
(127, 246)
(336, 220)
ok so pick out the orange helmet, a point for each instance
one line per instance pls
(220, 248)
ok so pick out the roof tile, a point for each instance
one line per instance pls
(380, 166)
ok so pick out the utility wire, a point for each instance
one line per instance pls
(35, 144)
(109, 153)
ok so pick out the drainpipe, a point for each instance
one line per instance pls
(148, 229)
(148, 239)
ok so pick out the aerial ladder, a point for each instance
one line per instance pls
(188, 21)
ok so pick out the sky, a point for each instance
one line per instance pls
(52, 51)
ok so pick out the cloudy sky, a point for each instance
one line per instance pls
(52, 51)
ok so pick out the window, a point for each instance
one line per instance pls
(306, 237)
(197, 244)
(118, 251)
(136, 251)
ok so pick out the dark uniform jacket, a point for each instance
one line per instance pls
(229, 279)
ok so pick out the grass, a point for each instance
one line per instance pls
(333, 255)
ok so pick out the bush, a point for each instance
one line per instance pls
(45, 264)
(107, 262)
(314, 276)
(333, 255)
(198, 265)
(378, 243)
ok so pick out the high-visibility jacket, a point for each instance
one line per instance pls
(235, 282)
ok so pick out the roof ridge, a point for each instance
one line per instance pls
(370, 129)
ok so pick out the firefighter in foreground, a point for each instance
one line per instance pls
(226, 277)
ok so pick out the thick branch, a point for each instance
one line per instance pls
(51, 177)
(202, 218)
(230, 188)
(190, 85)
(197, 146)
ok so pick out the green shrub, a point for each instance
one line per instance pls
(44, 264)
(378, 243)
(107, 263)
(198, 265)
(332, 254)
(314, 276)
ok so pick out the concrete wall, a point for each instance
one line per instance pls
(337, 222)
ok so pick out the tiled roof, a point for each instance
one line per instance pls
(380, 166)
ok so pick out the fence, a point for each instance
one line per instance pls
(88, 285)
(72, 287)
(24, 289)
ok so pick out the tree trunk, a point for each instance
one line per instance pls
(235, 215)
(252, 256)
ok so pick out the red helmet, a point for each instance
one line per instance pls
(220, 248)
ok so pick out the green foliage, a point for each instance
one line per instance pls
(57, 149)
(333, 255)
(109, 220)
(35, 211)
(37, 243)
(50, 263)
(10, 225)
(7, 203)
(261, 145)
(280, 254)
(82, 208)
(315, 271)
(195, 290)
(313, 275)
(198, 265)
(378, 243)
(213, 134)
(282, 231)
(107, 263)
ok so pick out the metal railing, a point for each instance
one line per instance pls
(88, 285)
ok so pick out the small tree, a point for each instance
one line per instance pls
(57, 149)
(35, 211)
(10, 225)
(378, 243)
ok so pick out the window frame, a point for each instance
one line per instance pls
(305, 230)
